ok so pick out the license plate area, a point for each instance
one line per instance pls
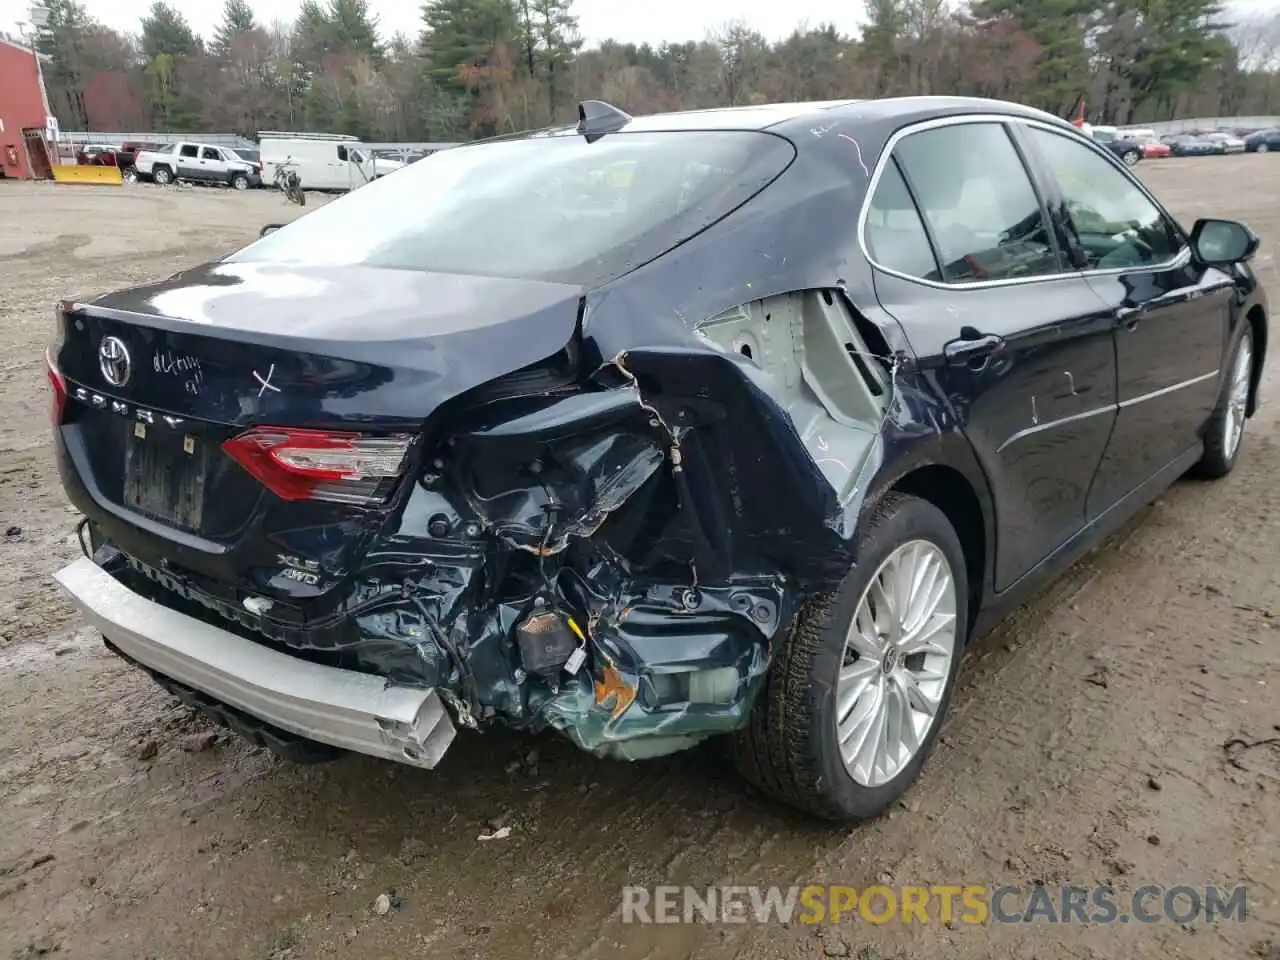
(165, 472)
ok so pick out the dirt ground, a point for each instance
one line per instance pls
(1086, 743)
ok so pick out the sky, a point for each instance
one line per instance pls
(636, 21)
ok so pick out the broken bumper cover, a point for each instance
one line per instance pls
(342, 708)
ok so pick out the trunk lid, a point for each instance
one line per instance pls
(160, 377)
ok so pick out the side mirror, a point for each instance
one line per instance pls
(1219, 243)
(342, 152)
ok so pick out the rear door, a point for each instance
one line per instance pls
(188, 159)
(1170, 317)
(1016, 339)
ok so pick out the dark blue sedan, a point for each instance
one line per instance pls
(645, 430)
(1263, 141)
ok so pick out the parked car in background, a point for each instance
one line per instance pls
(1228, 143)
(196, 162)
(1155, 150)
(323, 161)
(254, 157)
(1128, 150)
(127, 156)
(1263, 141)
(1152, 147)
(828, 419)
(1141, 134)
(1187, 145)
(96, 155)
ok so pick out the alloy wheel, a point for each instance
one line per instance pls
(1238, 399)
(897, 660)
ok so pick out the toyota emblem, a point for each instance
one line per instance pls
(113, 361)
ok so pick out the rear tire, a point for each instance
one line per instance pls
(1131, 157)
(794, 745)
(1263, 148)
(1226, 426)
(162, 176)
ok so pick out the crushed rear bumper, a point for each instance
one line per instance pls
(341, 708)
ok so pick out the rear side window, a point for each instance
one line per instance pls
(546, 207)
(978, 202)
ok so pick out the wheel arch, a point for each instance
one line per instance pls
(956, 485)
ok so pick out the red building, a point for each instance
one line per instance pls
(24, 111)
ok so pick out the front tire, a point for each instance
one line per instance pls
(857, 693)
(240, 182)
(1226, 425)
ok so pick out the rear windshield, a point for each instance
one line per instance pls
(551, 208)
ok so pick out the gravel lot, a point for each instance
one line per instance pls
(1086, 743)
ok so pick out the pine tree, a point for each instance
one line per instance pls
(558, 41)
(62, 39)
(237, 20)
(1058, 26)
(351, 28)
(462, 34)
(166, 31)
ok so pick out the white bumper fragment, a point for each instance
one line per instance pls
(354, 711)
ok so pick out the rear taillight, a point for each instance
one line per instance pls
(59, 385)
(297, 464)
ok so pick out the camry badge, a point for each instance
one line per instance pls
(114, 362)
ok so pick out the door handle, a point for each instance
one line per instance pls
(972, 351)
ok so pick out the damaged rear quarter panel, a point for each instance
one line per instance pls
(667, 509)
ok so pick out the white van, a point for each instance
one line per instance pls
(1141, 134)
(322, 161)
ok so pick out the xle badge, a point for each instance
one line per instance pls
(188, 444)
(140, 430)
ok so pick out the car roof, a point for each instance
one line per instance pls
(790, 117)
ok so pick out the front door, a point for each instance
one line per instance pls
(1020, 345)
(213, 166)
(1170, 316)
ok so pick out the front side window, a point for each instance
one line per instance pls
(208, 153)
(189, 150)
(537, 208)
(1116, 224)
(978, 202)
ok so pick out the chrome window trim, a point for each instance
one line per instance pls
(1179, 260)
(1108, 408)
